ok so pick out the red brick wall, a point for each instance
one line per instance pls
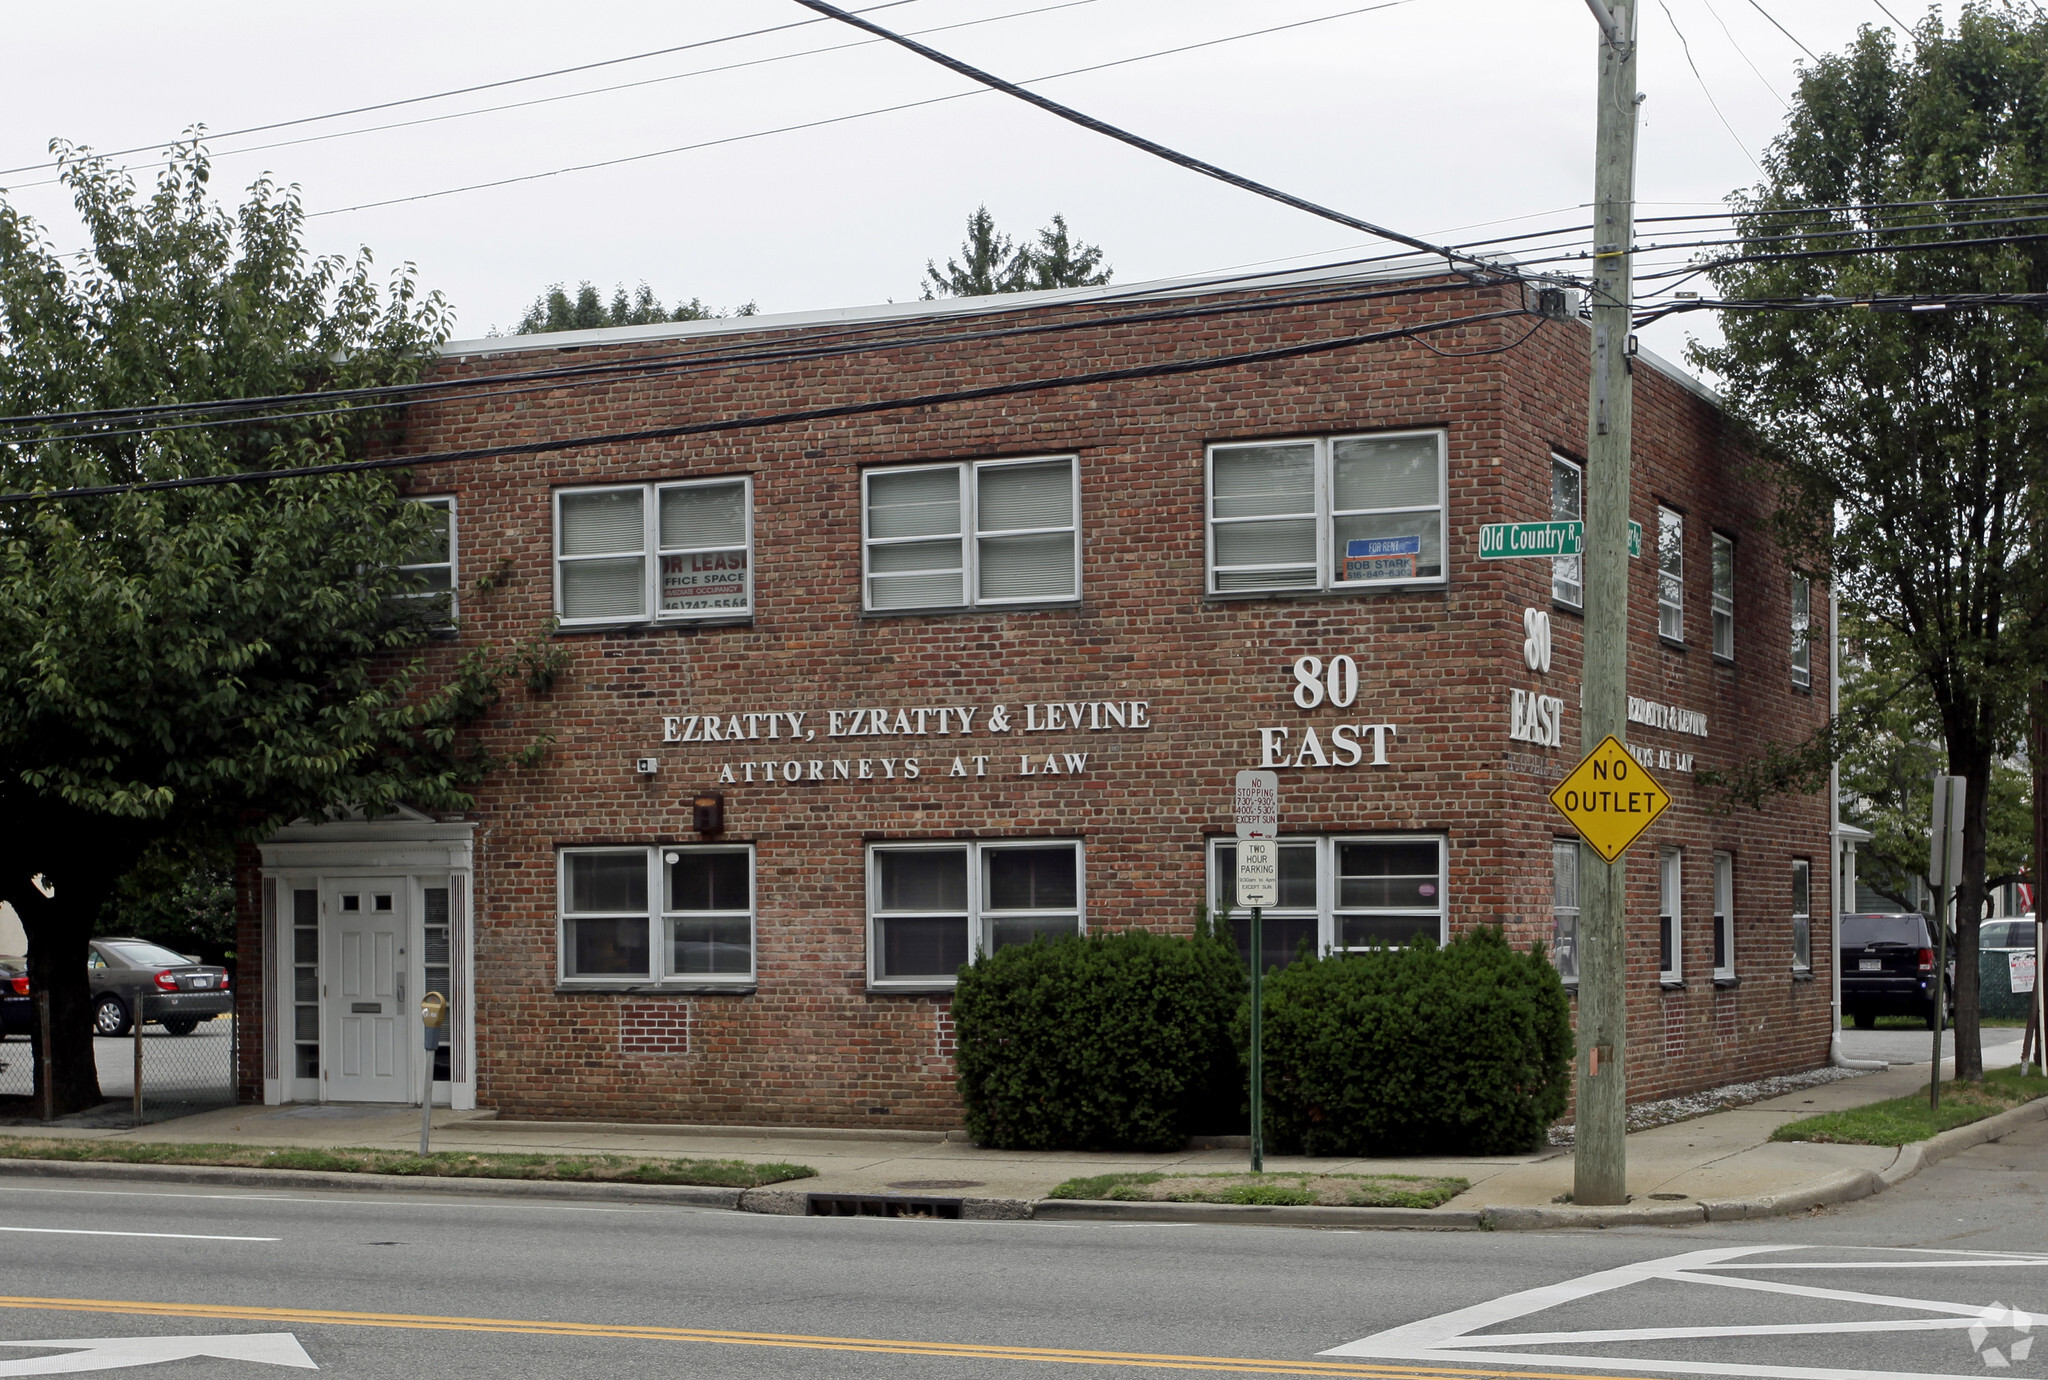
(813, 1045)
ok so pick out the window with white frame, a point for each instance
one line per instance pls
(431, 562)
(1802, 628)
(1802, 915)
(1724, 596)
(681, 915)
(1670, 575)
(1564, 907)
(1567, 504)
(1670, 929)
(1724, 915)
(1338, 894)
(1336, 513)
(933, 906)
(645, 552)
(972, 533)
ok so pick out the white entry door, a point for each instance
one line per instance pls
(367, 1055)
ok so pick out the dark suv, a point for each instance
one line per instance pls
(1887, 967)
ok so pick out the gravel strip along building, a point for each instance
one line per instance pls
(854, 689)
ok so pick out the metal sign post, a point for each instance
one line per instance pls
(1258, 886)
(433, 1015)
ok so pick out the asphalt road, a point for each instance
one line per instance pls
(375, 1286)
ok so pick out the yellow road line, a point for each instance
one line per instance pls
(427, 1322)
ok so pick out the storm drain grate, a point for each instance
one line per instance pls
(880, 1205)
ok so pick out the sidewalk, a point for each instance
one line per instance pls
(1725, 1159)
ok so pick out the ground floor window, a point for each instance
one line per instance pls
(1564, 905)
(1802, 915)
(1338, 894)
(1724, 915)
(933, 906)
(682, 914)
(1670, 934)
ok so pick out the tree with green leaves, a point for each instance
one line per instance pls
(555, 310)
(1887, 770)
(1908, 444)
(185, 667)
(991, 262)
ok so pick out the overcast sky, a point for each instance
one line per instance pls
(1427, 115)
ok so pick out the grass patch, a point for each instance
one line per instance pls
(1916, 1023)
(446, 1164)
(1902, 1120)
(1268, 1190)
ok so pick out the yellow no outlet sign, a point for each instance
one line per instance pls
(1610, 799)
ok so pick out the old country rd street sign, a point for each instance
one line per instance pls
(1610, 799)
(1500, 541)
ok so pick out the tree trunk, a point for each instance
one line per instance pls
(1969, 911)
(59, 926)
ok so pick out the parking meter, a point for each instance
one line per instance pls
(433, 1015)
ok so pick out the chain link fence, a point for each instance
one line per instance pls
(179, 1073)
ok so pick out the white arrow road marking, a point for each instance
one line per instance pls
(116, 1353)
(152, 1235)
(1460, 1337)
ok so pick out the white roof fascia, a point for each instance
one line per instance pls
(1393, 270)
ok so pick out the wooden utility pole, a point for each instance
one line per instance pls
(1600, 1166)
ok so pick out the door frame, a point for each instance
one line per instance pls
(404, 917)
(411, 851)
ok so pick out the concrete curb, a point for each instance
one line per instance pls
(1241, 1214)
(1921, 1153)
(675, 1195)
(664, 1128)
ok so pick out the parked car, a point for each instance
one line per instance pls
(16, 1011)
(176, 990)
(2007, 934)
(1887, 967)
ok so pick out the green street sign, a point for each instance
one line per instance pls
(1500, 541)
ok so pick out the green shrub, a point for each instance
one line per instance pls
(1464, 1049)
(1106, 1041)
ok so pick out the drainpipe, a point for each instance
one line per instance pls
(1840, 873)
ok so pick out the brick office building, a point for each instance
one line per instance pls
(984, 667)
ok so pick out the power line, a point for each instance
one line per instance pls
(594, 91)
(843, 119)
(1687, 49)
(1761, 78)
(1167, 369)
(468, 90)
(1782, 29)
(1137, 141)
(82, 424)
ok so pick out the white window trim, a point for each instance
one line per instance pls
(1724, 912)
(1327, 910)
(651, 551)
(970, 534)
(1805, 865)
(659, 954)
(453, 563)
(977, 915)
(1721, 606)
(1578, 911)
(1671, 906)
(1662, 604)
(1325, 516)
(1557, 562)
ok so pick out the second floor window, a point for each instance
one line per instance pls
(1670, 575)
(1567, 504)
(1802, 629)
(1724, 597)
(960, 535)
(1348, 512)
(645, 552)
(432, 562)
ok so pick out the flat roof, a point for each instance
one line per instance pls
(1387, 270)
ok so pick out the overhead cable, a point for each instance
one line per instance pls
(1138, 141)
(1164, 369)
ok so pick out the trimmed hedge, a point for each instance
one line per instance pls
(1464, 1049)
(1105, 1041)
